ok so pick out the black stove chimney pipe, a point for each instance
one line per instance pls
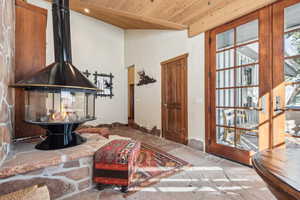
(61, 31)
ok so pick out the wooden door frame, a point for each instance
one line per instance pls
(30, 65)
(185, 95)
(207, 74)
(130, 121)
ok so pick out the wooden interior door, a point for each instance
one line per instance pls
(239, 87)
(31, 24)
(174, 99)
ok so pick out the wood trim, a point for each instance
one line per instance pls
(237, 22)
(207, 74)
(174, 59)
(161, 106)
(237, 155)
(31, 7)
(226, 14)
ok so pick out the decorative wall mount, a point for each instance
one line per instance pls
(103, 81)
(145, 79)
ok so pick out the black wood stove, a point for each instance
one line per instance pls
(59, 98)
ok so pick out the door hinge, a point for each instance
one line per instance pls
(209, 141)
(209, 109)
(209, 74)
(209, 40)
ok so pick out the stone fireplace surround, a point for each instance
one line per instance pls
(7, 39)
(65, 172)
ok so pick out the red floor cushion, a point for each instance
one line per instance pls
(116, 162)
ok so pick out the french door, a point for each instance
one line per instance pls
(286, 76)
(254, 78)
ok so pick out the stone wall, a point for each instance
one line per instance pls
(63, 180)
(7, 37)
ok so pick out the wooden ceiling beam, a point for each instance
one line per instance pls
(231, 11)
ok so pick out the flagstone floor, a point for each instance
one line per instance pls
(210, 177)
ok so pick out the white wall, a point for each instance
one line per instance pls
(146, 49)
(96, 46)
(103, 47)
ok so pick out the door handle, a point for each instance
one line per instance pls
(255, 108)
(279, 109)
(278, 105)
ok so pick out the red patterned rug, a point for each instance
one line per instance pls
(154, 164)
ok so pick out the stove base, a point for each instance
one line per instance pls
(60, 136)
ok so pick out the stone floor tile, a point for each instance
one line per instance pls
(88, 195)
(210, 177)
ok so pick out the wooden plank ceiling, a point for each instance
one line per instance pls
(196, 15)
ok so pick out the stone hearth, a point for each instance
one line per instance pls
(66, 172)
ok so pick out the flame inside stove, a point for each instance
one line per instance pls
(60, 116)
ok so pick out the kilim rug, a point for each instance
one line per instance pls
(154, 164)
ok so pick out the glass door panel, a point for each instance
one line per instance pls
(292, 69)
(237, 86)
(254, 87)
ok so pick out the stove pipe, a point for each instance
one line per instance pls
(61, 31)
(61, 73)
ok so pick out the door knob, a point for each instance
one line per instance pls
(278, 104)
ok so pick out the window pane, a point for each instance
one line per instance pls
(247, 119)
(247, 97)
(292, 70)
(225, 136)
(292, 96)
(225, 59)
(292, 43)
(220, 79)
(225, 117)
(292, 17)
(247, 32)
(228, 78)
(247, 54)
(292, 122)
(247, 76)
(247, 140)
(229, 97)
(220, 98)
(225, 39)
